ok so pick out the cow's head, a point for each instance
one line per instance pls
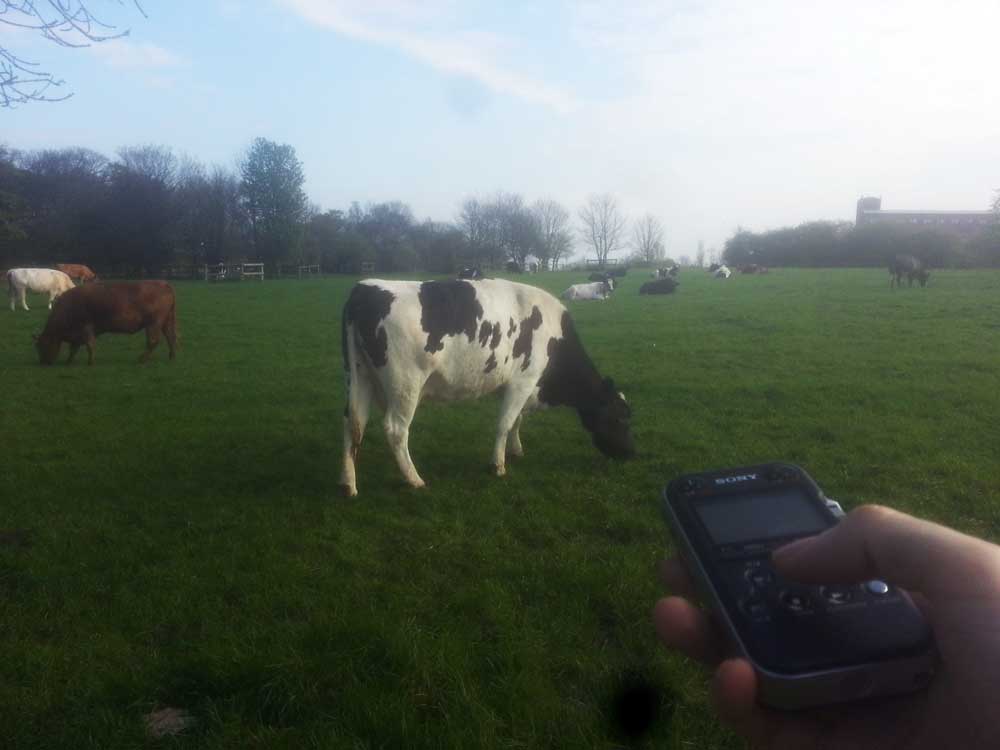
(608, 422)
(48, 348)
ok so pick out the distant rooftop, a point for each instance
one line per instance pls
(904, 211)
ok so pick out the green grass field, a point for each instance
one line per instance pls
(172, 534)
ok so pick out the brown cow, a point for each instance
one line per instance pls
(77, 272)
(85, 312)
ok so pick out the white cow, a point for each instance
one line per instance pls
(722, 272)
(593, 290)
(404, 341)
(38, 280)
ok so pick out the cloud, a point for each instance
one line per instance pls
(413, 29)
(124, 54)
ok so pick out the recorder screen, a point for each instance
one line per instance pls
(737, 519)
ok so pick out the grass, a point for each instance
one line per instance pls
(172, 535)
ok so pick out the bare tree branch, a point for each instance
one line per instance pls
(647, 238)
(67, 23)
(603, 226)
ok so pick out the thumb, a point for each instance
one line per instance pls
(877, 542)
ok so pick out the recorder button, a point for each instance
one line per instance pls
(836, 594)
(796, 601)
(755, 608)
(878, 588)
(759, 578)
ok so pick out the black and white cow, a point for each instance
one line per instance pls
(910, 267)
(404, 341)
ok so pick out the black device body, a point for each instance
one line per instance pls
(810, 645)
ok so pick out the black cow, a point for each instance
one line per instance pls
(666, 285)
(910, 267)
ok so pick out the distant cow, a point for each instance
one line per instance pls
(712, 268)
(85, 312)
(404, 341)
(910, 267)
(666, 285)
(470, 273)
(749, 268)
(513, 266)
(668, 271)
(593, 290)
(39, 280)
(77, 272)
(722, 272)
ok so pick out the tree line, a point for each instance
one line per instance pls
(147, 210)
(832, 244)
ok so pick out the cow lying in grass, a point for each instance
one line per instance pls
(593, 290)
(404, 341)
(666, 285)
(20, 281)
(85, 312)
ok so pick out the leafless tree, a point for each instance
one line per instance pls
(553, 226)
(67, 23)
(602, 226)
(647, 238)
(701, 254)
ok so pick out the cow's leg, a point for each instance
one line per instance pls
(23, 292)
(89, 342)
(152, 339)
(52, 298)
(359, 403)
(170, 333)
(514, 447)
(398, 416)
(72, 352)
(513, 403)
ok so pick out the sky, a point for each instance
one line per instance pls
(709, 115)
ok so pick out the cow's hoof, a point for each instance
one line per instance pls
(500, 471)
(420, 484)
(348, 491)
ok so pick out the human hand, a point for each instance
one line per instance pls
(954, 579)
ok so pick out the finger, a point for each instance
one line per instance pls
(734, 693)
(675, 578)
(685, 628)
(876, 542)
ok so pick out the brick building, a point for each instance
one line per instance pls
(870, 211)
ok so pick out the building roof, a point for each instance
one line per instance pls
(906, 211)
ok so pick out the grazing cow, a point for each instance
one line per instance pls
(77, 272)
(594, 290)
(404, 341)
(39, 280)
(909, 266)
(666, 285)
(85, 312)
(722, 272)
(470, 273)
